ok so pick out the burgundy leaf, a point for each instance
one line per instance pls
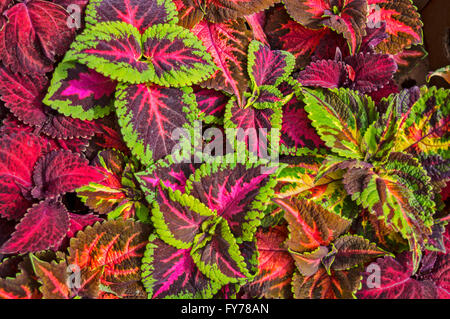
(286, 34)
(19, 153)
(232, 193)
(43, 227)
(62, 171)
(35, 33)
(172, 272)
(227, 43)
(79, 222)
(141, 14)
(325, 73)
(212, 104)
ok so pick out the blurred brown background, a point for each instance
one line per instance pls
(436, 18)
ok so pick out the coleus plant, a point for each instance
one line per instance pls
(94, 203)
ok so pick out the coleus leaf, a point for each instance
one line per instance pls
(62, 171)
(165, 54)
(364, 72)
(107, 135)
(402, 20)
(149, 114)
(257, 129)
(211, 104)
(225, 10)
(178, 218)
(442, 72)
(236, 192)
(80, 92)
(177, 56)
(185, 223)
(114, 50)
(171, 173)
(386, 197)
(275, 266)
(310, 225)
(23, 95)
(257, 22)
(425, 127)
(352, 251)
(340, 118)
(268, 67)
(16, 172)
(35, 33)
(141, 14)
(296, 129)
(345, 17)
(321, 285)
(22, 286)
(12, 125)
(118, 194)
(217, 254)
(308, 263)
(168, 272)
(79, 222)
(44, 226)
(110, 254)
(227, 43)
(53, 276)
(283, 33)
(398, 280)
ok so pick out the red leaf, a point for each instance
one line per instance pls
(402, 23)
(35, 33)
(345, 17)
(18, 155)
(276, 266)
(79, 222)
(227, 43)
(43, 227)
(286, 34)
(397, 280)
(60, 172)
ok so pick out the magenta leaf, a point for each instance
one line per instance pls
(171, 272)
(346, 17)
(62, 171)
(364, 72)
(296, 129)
(398, 281)
(149, 113)
(325, 73)
(80, 92)
(211, 104)
(268, 67)
(79, 222)
(43, 227)
(178, 218)
(35, 33)
(172, 175)
(16, 171)
(253, 127)
(285, 34)
(141, 14)
(22, 96)
(372, 71)
(238, 193)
